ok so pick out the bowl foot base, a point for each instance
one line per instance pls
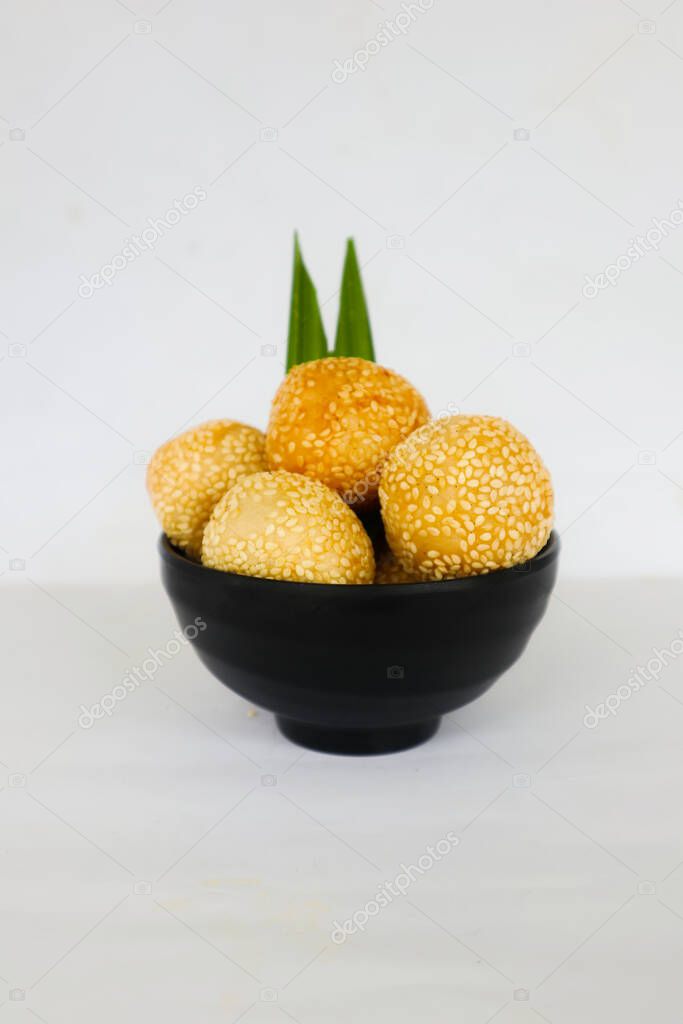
(386, 740)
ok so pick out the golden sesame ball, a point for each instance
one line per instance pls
(465, 495)
(389, 570)
(189, 474)
(283, 526)
(337, 419)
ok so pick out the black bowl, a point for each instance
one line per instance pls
(359, 669)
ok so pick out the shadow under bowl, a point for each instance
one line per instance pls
(359, 669)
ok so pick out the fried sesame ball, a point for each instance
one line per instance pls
(465, 495)
(337, 419)
(389, 570)
(283, 526)
(189, 474)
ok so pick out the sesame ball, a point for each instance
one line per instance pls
(337, 419)
(389, 570)
(283, 526)
(465, 495)
(189, 474)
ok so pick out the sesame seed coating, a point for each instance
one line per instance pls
(337, 419)
(189, 474)
(389, 570)
(465, 495)
(283, 526)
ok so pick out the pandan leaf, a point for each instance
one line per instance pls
(306, 340)
(354, 336)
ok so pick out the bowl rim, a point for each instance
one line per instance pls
(176, 558)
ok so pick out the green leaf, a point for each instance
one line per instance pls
(306, 340)
(354, 336)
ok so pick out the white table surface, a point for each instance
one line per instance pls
(563, 900)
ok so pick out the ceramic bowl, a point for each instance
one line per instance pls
(360, 669)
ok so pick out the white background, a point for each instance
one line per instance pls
(485, 162)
